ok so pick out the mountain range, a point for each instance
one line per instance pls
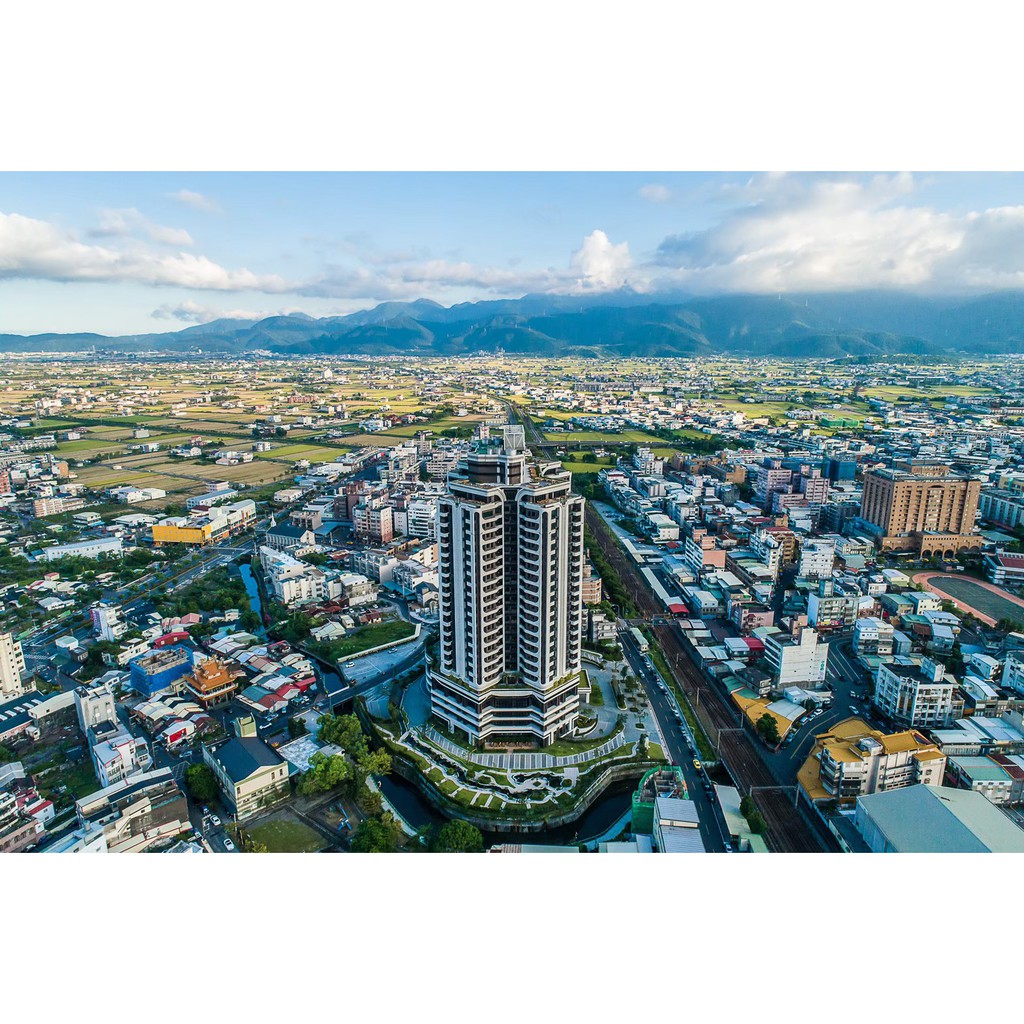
(624, 323)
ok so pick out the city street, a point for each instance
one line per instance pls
(678, 745)
(851, 688)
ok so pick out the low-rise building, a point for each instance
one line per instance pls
(135, 813)
(95, 548)
(212, 682)
(159, 670)
(853, 759)
(933, 819)
(251, 775)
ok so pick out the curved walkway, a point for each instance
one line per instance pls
(927, 579)
(524, 761)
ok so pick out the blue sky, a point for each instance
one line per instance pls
(141, 252)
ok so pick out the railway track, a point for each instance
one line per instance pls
(788, 830)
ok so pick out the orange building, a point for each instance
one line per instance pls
(212, 682)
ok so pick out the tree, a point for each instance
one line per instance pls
(370, 802)
(325, 773)
(201, 782)
(345, 732)
(377, 835)
(757, 823)
(457, 836)
(374, 762)
(768, 729)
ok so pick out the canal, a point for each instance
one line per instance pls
(595, 820)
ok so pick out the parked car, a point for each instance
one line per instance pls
(215, 821)
(229, 846)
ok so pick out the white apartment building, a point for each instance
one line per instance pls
(12, 668)
(1013, 672)
(95, 707)
(421, 518)
(873, 636)
(817, 558)
(830, 607)
(107, 623)
(292, 581)
(120, 757)
(510, 571)
(769, 549)
(916, 696)
(795, 661)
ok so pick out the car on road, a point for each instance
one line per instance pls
(820, 711)
(854, 709)
(696, 764)
(229, 846)
(215, 821)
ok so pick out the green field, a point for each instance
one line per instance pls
(325, 453)
(287, 837)
(366, 638)
(635, 436)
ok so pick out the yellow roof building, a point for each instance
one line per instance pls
(852, 759)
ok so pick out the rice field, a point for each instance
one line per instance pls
(636, 436)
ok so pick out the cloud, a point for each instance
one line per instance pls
(195, 199)
(597, 265)
(129, 222)
(192, 312)
(655, 193)
(793, 233)
(601, 265)
(36, 249)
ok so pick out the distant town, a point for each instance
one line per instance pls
(269, 603)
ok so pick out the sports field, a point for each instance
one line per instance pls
(988, 601)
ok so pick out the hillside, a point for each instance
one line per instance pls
(860, 324)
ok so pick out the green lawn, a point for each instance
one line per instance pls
(287, 837)
(370, 636)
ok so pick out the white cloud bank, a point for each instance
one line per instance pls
(776, 233)
(192, 312)
(196, 200)
(790, 233)
(655, 193)
(129, 223)
(36, 249)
